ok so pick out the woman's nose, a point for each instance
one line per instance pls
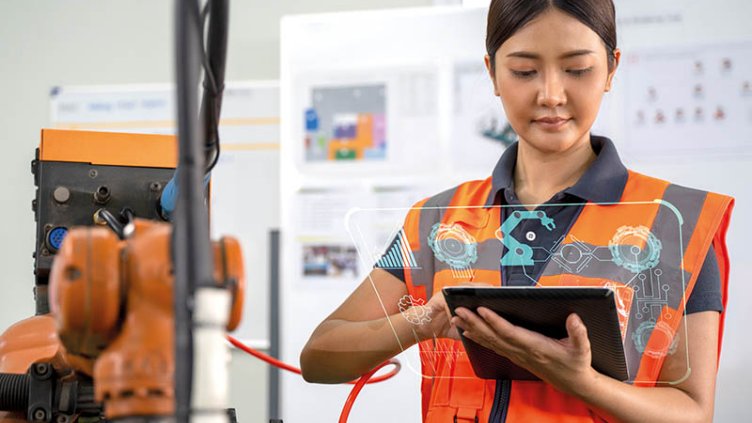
(551, 93)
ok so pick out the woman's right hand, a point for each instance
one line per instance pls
(439, 324)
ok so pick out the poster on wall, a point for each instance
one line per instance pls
(480, 130)
(358, 122)
(323, 251)
(324, 229)
(691, 101)
(330, 260)
(144, 109)
(250, 114)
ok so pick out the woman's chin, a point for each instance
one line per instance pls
(551, 143)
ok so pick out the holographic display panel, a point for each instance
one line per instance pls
(636, 249)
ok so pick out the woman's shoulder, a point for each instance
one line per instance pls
(637, 180)
(687, 203)
(473, 192)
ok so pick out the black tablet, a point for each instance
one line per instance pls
(544, 310)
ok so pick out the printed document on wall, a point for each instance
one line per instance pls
(691, 101)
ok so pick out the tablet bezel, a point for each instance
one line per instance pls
(544, 310)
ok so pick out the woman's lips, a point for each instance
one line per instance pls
(552, 123)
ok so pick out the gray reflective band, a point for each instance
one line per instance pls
(667, 226)
(664, 285)
(431, 213)
(689, 202)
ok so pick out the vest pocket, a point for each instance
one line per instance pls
(457, 395)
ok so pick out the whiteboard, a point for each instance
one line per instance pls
(245, 182)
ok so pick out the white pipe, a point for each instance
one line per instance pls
(211, 356)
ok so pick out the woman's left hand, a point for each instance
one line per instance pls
(563, 363)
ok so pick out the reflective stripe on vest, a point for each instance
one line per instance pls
(693, 218)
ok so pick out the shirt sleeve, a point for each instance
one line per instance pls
(706, 295)
(384, 262)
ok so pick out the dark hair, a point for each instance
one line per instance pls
(505, 17)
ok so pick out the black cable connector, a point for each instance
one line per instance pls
(112, 222)
(14, 392)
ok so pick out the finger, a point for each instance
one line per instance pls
(577, 333)
(454, 330)
(477, 284)
(478, 330)
(468, 320)
(497, 322)
(446, 310)
(454, 333)
(438, 305)
(515, 335)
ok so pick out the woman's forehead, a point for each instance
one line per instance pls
(552, 31)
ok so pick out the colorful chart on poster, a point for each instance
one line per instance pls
(346, 124)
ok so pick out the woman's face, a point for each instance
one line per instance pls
(551, 76)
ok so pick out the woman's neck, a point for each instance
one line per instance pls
(539, 175)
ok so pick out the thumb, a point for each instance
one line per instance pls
(577, 333)
(478, 284)
(453, 332)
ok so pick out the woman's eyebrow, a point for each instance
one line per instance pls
(535, 56)
(575, 53)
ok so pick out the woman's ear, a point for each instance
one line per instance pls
(612, 72)
(491, 73)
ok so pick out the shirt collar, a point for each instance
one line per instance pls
(602, 182)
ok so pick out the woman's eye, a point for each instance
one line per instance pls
(579, 72)
(523, 74)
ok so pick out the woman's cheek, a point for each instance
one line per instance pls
(518, 106)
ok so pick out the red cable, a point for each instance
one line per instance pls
(359, 384)
(261, 356)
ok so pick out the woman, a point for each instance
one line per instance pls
(551, 61)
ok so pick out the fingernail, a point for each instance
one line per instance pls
(576, 322)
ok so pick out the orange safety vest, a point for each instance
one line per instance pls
(450, 390)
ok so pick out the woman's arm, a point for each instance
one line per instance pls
(565, 364)
(358, 335)
(691, 400)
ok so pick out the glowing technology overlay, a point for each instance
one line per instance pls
(641, 259)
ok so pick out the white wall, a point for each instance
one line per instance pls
(46, 43)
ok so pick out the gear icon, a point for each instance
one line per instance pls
(635, 248)
(666, 342)
(414, 310)
(453, 245)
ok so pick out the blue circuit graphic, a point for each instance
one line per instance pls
(520, 254)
